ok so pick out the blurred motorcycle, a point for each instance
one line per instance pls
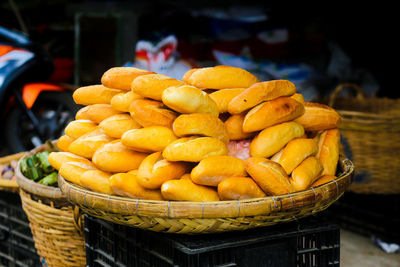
(32, 110)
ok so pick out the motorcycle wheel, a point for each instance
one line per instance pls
(54, 110)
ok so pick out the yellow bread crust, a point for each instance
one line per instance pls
(94, 94)
(318, 117)
(99, 112)
(234, 127)
(88, 143)
(63, 142)
(306, 173)
(238, 188)
(214, 169)
(323, 180)
(328, 150)
(118, 124)
(122, 77)
(97, 181)
(72, 171)
(81, 114)
(186, 190)
(56, 159)
(152, 113)
(77, 128)
(122, 101)
(224, 96)
(260, 92)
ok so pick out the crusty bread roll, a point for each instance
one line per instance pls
(88, 143)
(323, 180)
(122, 101)
(239, 149)
(63, 142)
(296, 151)
(224, 96)
(237, 188)
(306, 173)
(97, 181)
(155, 170)
(189, 99)
(78, 128)
(186, 190)
(269, 175)
(148, 139)
(115, 157)
(118, 124)
(298, 97)
(264, 115)
(277, 156)
(202, 124)
(234, 127)
(260, 92)
(56, 159)
(125, 184)
(328, 150)
(81, 114)
(94, 94)
(72, 171)
(214, 169)
(219, 77)
(194, 149)
(272, 139)
(153, 85)
(318, 117)
(122, 77)
(99, 112)
(152, 113)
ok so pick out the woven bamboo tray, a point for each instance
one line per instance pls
(370, 137)
(209, 217)
(10, 185)
(56, 225)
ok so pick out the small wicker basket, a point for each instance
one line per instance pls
(56, 225)
(10, 185)
(208, 217)
(370, 137)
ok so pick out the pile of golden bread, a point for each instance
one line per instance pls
(217, 134)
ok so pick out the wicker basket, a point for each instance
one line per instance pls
(10, 185)
(208, 217)
(56, 225)
(370, 137)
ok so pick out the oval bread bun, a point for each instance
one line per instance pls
(189, 99)
(278, 110)
(202, 124)
(238, 188)
(269, 175)
(306, 173)
(298, 97)
(97, 181)
(122, 77)
(99, 112)
(153, 85)
(224, 96)
(148, 139)
(296, 151)
(234, 127)
(56, 159)
(155, 170)
(72, 171)
(118, 124)
(269, 141)
(260, 92)
(318, 117)
(125, 184)
(94, 94)
(219, 77)
(152, 113)
(328, 150)
(214, 169)
(77, 128)
(63, 142)
(186, 190)
(194, 149)
(115, 157)
(323, 180)
(81, 114)
(122, 101)
(88, 143)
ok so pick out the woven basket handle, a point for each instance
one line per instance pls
(78, 222)
(360, 93)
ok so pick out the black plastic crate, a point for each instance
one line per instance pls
(368, 214)
(17, 247)
(306, 242)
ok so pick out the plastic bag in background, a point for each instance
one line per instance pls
(161, 57)
(300, 74)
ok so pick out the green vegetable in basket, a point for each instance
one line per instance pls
(50, 179)
(44, 163)
(24, 167)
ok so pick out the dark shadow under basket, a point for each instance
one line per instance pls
(209, 217)
(370, 137)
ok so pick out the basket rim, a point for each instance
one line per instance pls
(228, 208)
